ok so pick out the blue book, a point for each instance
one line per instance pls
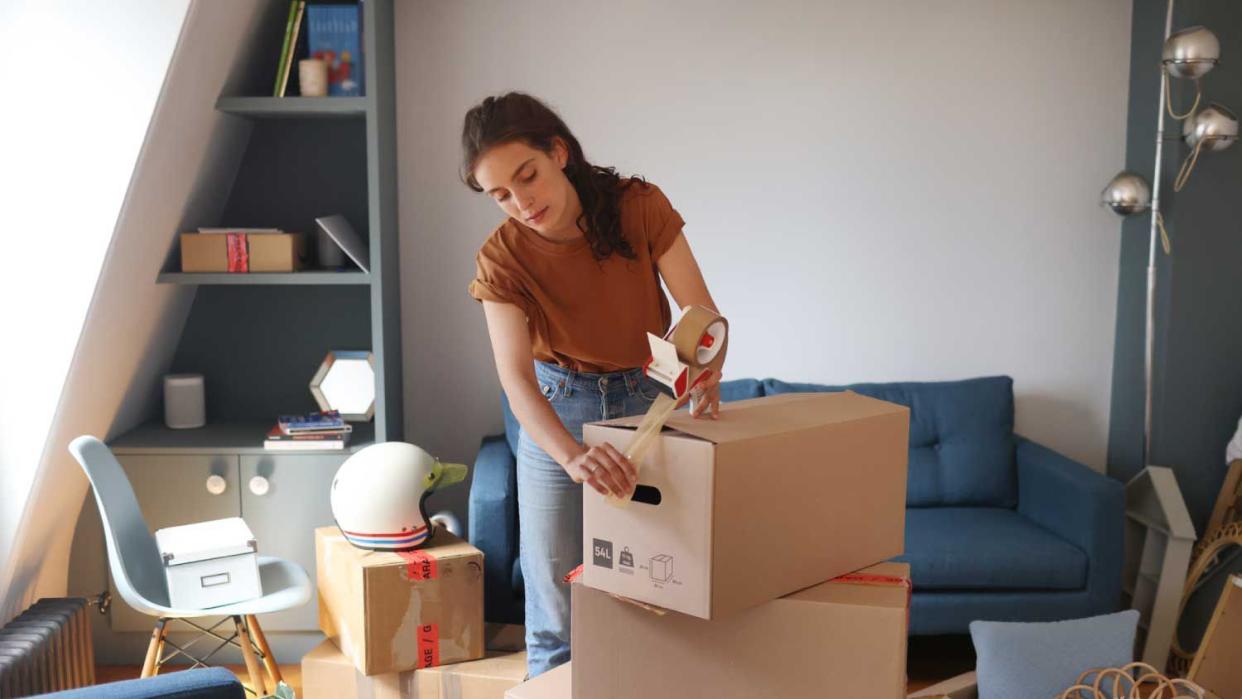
(328, 420)
(333, 34)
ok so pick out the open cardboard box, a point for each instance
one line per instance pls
(841, 638)
(779, 494)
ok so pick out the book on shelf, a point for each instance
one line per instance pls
(292, 28)
(332, 34)
(279, 441)
(329, 420)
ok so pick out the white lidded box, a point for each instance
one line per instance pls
(209, 563)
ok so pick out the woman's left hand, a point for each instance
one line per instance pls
(706, 396)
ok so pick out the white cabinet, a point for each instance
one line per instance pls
(283, 510)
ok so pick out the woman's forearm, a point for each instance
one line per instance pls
(539, 420)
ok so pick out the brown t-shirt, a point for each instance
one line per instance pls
(586, 315)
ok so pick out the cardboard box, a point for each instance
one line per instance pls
(553, 684)
(392, 612)
(328, 674)
(836, 639)
(265, 252)
(779, 494)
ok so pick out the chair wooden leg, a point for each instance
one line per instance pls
(159, 652)
(252, 663)
(269, 661)
(153, 648)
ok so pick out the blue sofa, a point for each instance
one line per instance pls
(997, 526)
(201, 683)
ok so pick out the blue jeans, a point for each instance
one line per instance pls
(550, 503)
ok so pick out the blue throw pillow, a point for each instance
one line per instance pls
(1042, 659)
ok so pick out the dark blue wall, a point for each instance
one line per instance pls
(1197, 396)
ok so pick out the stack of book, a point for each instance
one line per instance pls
(325, 430)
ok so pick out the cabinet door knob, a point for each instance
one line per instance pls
(216, 485)
(259, 485)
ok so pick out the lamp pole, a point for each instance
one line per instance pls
(1150, 346)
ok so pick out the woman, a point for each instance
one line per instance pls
(570, 286)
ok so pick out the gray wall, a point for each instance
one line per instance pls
(1198, 366)
(875, 191)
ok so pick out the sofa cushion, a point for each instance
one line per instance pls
(987, 548)
(961, 437)
(1040, 660)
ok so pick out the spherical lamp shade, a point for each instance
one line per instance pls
(1191, 53)
(1127, 193)
(1216, 127)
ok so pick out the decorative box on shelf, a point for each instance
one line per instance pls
(242, 252)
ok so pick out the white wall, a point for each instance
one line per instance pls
(890, 190)
(83, 80)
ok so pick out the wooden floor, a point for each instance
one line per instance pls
(930, 660)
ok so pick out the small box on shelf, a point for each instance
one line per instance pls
(242, 252)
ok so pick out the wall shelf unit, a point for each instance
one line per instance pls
(259, 338)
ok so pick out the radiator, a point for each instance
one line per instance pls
(47, 648)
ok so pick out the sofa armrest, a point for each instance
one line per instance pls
(493, 523)
(1081, 506)
(202, 683)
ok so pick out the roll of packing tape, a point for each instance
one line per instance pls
(701, 338)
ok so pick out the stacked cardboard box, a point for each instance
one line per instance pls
(743, 528)
(388, 614)
(328, 674)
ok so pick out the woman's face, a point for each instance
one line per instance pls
(531, 186)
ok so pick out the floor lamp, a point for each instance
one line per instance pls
(1188, 54)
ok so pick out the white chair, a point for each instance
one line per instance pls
(139, 575)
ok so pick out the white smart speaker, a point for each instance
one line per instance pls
(185, 404)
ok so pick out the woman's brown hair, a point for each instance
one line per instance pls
(519, 117)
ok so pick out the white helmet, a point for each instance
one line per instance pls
(377, 495)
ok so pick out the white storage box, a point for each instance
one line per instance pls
(209, 563)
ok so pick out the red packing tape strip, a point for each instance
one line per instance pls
(572, 575)
(239, 252)
(419, 565)
(429, 645)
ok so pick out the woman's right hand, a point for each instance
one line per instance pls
(605, 469)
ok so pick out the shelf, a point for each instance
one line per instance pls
(309, 277)
(294, 107)
(221, 438)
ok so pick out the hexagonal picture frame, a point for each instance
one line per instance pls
(345, 382)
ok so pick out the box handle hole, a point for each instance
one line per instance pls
(647, 494)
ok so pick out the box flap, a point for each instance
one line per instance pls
(203, 541)
(757, 417)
